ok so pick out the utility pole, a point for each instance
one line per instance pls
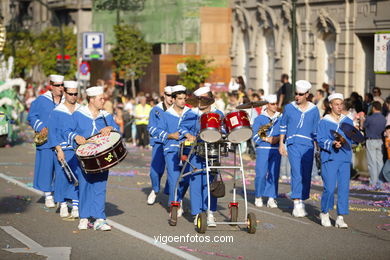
(294, 46)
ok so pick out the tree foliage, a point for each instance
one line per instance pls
(131, 51)
(198, 70)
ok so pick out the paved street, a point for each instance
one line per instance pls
(137, 225)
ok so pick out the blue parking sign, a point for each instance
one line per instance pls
(93, 46)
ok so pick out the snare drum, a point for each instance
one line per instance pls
(238, 127)
(210, 127)
(101, 152)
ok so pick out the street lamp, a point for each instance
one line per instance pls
(294, 45)
(125, 5)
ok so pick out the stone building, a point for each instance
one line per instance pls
(335, 43)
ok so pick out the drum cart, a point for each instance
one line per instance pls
(213, 153)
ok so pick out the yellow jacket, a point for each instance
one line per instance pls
(143, 113)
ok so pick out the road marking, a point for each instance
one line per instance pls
(52, 253)
(118, 226)
(279, 216)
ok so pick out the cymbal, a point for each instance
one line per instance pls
(352, 133)
(252, 104)
(195, 101)
(340, 138)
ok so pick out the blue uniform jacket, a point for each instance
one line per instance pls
(300, 127)
(274, 130)
(154, 117)
(40, 110)
(325, 140)
(59, 120)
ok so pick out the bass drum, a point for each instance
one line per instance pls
(101, 152)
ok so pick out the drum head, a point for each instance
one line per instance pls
(240, 135)
(210, 135)
(97, 144)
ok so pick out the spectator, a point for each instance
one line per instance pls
(386, 167)
(142, 111)
(387, 103)
(219, 103)
(368, 99)
(249, 93)
(261, 94)
(108, 105)
(326, 107)
(357, 102)
(284, 93)
(325, 88)
(256, 97)
(118, 117)
(376, 92)
(233, 102)
(374, 126)
(319, 100)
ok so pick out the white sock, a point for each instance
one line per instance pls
(63, 204)
(47, 194)
(296, 202)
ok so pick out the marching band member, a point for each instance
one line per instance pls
(190, 128)
(168, 132)
(157, 166)
(59, 120)
(336, 160)
(299, 125)
(267, 154)
(87, 121)
(38, 118)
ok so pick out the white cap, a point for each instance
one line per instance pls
(70, 84)
(302, 86)
(94, 91)
(178, 88)
(56, 78)
(233, 86)
(335, 96)
(202, 90)
(168, 90)
(271, 98)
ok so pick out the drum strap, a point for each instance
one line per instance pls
(105, 121)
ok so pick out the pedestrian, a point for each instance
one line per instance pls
(142, 112)
(284, 92)
(376, 92)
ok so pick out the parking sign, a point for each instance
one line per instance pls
(93, 46)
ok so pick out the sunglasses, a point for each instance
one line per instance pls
(72, 94)
(299, 94)
(168, 95)
(272, 104)
(58, 85)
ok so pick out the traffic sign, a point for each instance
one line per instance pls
(84, 71)
(93, 46)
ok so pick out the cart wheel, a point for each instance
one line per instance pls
(173, 219)
(202, 223)
(233, 215)
(252, 224)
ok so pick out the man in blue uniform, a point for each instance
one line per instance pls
(157, 166)
(336, 158)
(59, 120)
(299, 125)
(190, 128)
(267, 154)
(87, 121)
(38, 118)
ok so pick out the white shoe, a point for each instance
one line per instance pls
(101, 224)
(325, 221)
(64, 213)
(83, 224)
(152, 198)
(75, 212)
(196, 220)
(49, 202)
(180, 210)
(211, 220)
(284, 177)
(299, 210)
(340, 222)
(259, 202)
(272, 203)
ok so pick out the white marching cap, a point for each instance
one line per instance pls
(271, 98)
(56, 78)
(94, 91)
(233, 86)
(335, 96)
(70, 84)
(302, 86)
(168, 90)
(202, 90)
(178, 88)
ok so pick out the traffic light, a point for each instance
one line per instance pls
(63, 64)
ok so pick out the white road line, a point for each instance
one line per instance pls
(118, 226)
(279, 216)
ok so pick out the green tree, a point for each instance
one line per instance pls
(198, 70)
(131, 53)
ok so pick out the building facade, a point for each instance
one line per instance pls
(335, 43)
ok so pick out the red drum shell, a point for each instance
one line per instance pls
(238, 126)
(210, 127)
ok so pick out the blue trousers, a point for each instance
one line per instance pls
(198, 188)
(63, 189)
(335, 172)
(173, 169)
(92, 194)
(301, 161)
(44, 170)
(267, 172)
(157, 166)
